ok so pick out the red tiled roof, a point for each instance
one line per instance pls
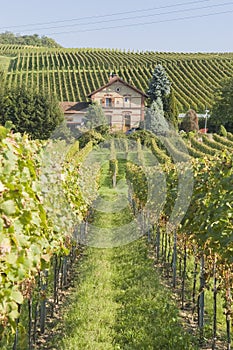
(73, 107)
(203, 131)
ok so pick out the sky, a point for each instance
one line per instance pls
(149, 25)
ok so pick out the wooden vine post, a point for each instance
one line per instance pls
(201, 299)
(174, 260)
(113, 164)
(228, 309)
(215, 292)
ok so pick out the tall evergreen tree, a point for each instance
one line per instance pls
(159, 85)
(170, 109)
(154, 118)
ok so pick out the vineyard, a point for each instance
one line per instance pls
(128, 209)
(73, 73)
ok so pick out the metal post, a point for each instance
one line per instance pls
(206, 117)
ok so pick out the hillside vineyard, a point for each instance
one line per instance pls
(73, 73)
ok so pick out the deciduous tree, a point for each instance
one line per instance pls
(222, 112)
(37, 114)
(95, 116)
(190, 121)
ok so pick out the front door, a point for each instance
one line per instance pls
(127, 122)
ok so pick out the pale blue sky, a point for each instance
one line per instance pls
(208, 28)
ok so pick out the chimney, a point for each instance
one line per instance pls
(112, 75)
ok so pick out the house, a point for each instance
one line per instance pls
(74, 113)
(122, 103)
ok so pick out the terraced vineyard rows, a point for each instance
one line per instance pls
(74, 73)
(208, 146)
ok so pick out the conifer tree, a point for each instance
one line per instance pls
(160, 91)
(159, 85)
(170, 109)
(154, 119)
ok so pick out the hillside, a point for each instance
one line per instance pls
(74, 73)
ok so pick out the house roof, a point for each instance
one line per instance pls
(73, 107)
(182, 115)
(115, 79)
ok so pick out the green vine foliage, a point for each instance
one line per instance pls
(41, 203)
(207, 224)
(26, 232)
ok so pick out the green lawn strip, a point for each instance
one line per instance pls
(148, 318)
(90, 319)
(119, 302)
(89, 322)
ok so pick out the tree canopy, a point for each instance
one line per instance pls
(31, 40)
(36, 113)
(95, 116)
(159, 85)
(160, 91)
(190, 121)
(170, 109)
(222, 112)
(154, 118)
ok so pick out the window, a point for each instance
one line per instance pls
(127, 101)
(127, 120)
(108, 102)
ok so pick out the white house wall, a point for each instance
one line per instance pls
(125, 101)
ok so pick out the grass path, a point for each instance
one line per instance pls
(119, 303)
